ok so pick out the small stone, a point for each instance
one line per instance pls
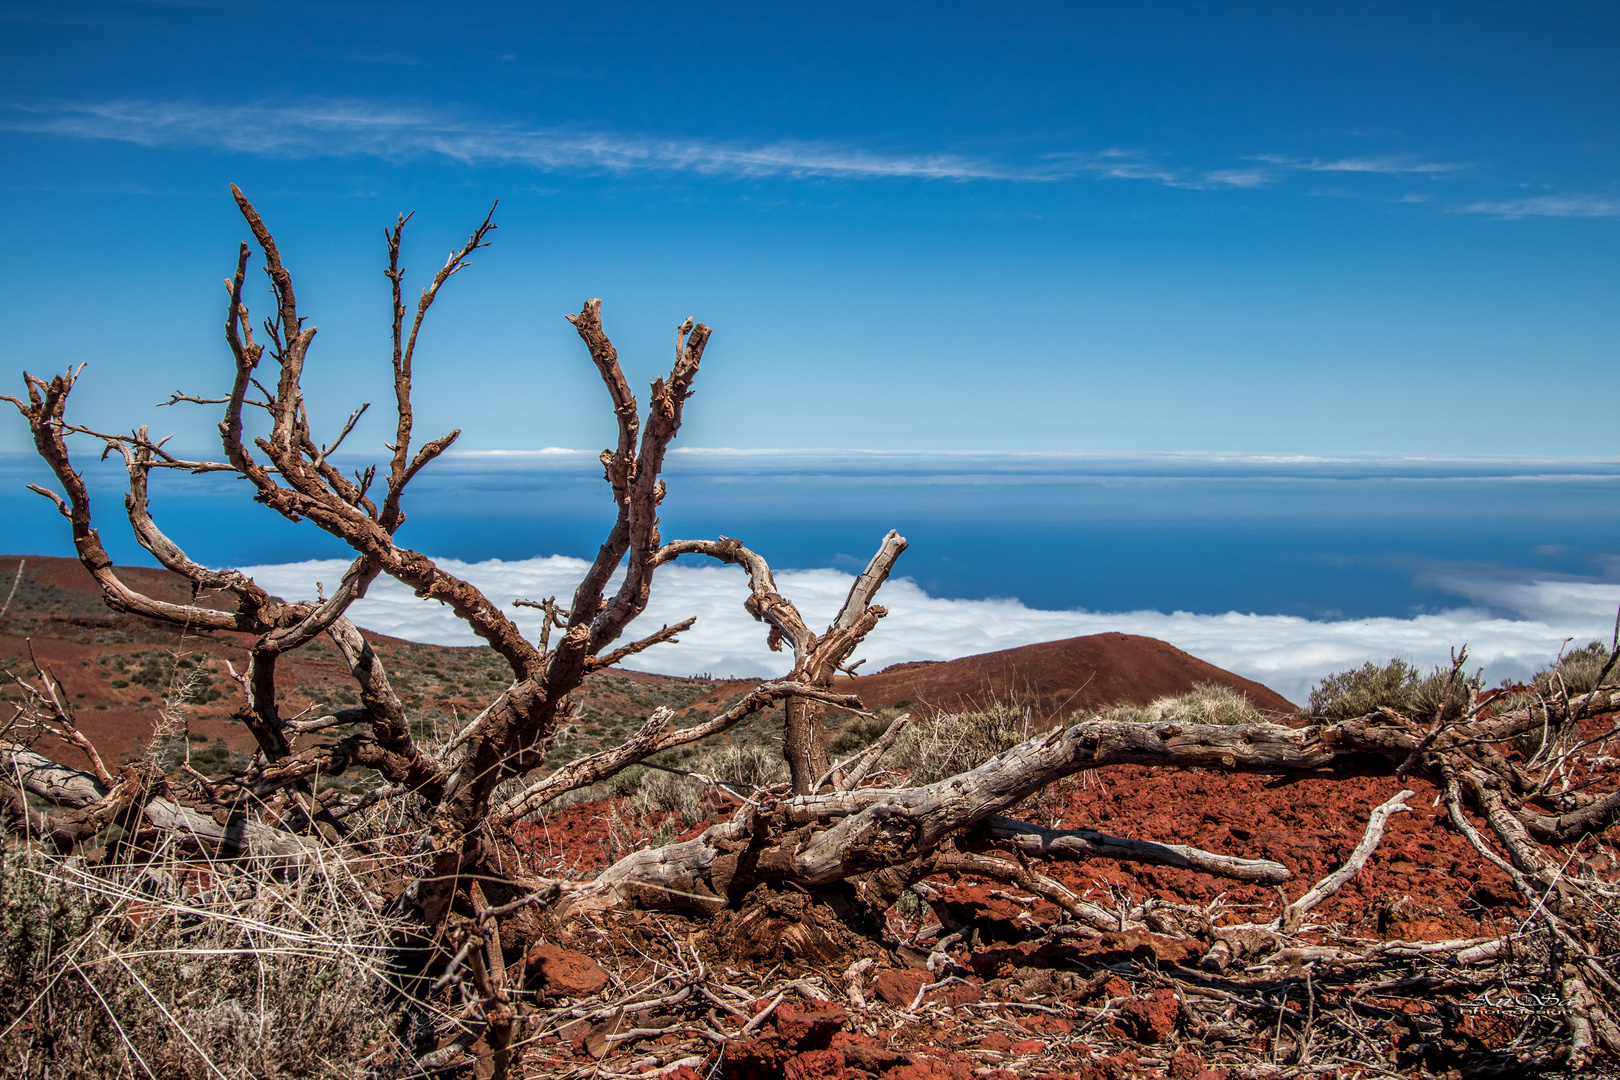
(1151, 1019)
(565, 972)
(816, 1065)
(809, 1028)
(899, 987)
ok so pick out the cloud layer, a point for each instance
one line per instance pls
(1286, 653)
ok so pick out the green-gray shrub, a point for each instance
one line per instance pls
(859, 733)
(1396, 685)
(661, 792)
(1577, 671)
(749, 765)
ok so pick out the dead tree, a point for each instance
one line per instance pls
(817, 659)
(832, 832)
(296, 477)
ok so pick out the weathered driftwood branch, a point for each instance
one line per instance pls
(848, 774)
(75, 790)
(1037, 841)
(816, 840)
(1331, 884)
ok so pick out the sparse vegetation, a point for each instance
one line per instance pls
(1577, 671)
(1396, 685)
(188, 972)
(951, 743)
(1205, 703)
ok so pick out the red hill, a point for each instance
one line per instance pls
(1057, 678)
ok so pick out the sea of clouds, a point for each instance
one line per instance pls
(1287, 653)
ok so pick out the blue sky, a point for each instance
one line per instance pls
(1318, 228)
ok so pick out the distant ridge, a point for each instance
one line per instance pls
(1057, 678)
(62, 611)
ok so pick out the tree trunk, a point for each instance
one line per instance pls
(805, 744)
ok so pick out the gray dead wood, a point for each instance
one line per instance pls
(72, 789)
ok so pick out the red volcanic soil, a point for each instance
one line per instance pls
(1029, 998)
(1057, 678)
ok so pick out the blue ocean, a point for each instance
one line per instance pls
(1323, 542)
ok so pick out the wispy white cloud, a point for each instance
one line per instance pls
(1387, 166)
(335, 128)
(1117, 164)
(340, 128)
(1287, 653)
(1564, 206)
(1239, 178)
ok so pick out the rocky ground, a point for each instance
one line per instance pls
(1031, 995)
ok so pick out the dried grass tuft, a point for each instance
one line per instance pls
(1397, 685)
(952, 743)
(167, 968)
(1205, 703)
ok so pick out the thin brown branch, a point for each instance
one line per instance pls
(44, 411)
(400, 474)
(16, 579)
(764, 602)
(658, 637)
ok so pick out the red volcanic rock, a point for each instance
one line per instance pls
(957, 1068)
(957, 994)
(1185, 1066)
(1057, 678)
(816, 1065)
(1151, 1019)
(563, 971)
(807, 1028)
(867, 1054)
(796, 1036)
(898, 986)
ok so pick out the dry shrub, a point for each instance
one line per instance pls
(952, 743)
(661, 792)
(1576, 672)
(172, 969)
(748, 765)
(1397, 685)
(859, 732)
(745, 767)
(1205, 703)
